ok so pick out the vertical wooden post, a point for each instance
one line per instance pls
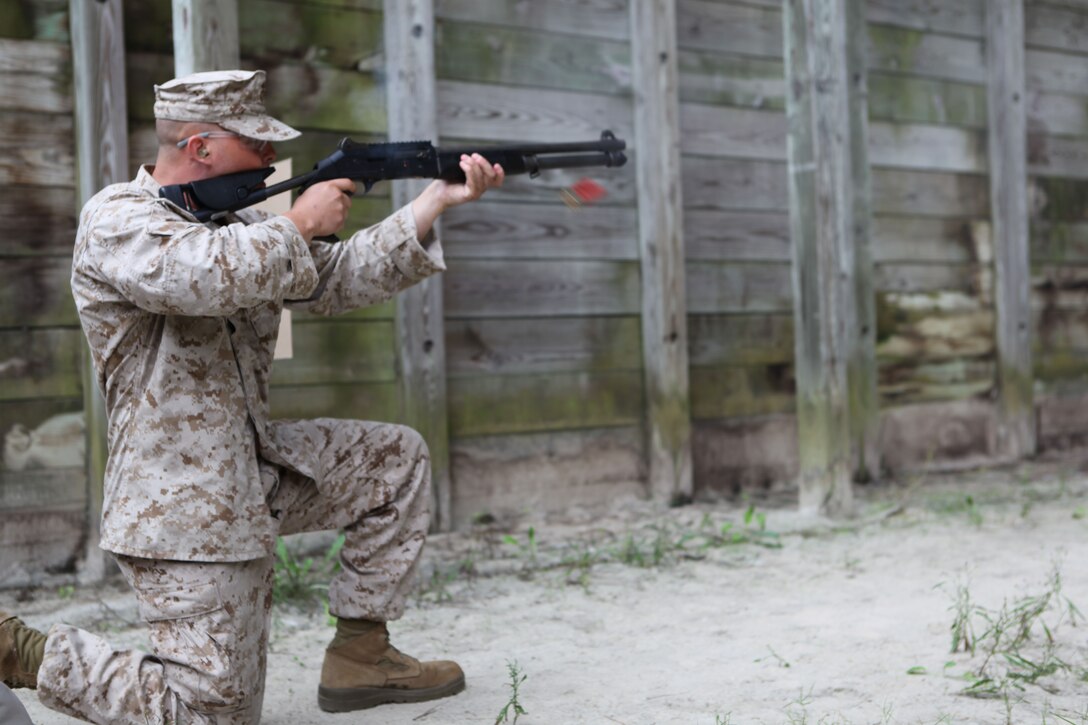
(205, 35)
(661, 245)
(98, 62)
(1009, 217)
(832, 268)
(421, 345)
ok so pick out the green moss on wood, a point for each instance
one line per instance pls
(514, 404)
(491, 54)
(924, 100)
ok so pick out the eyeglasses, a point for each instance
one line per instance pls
(253, 144)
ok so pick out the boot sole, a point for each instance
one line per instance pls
(348, 699)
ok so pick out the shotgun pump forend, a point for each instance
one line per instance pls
(210, 199)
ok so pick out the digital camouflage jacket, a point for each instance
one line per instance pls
(182, 319)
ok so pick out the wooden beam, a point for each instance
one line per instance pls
(421, 348)
(654, 59)
(833, 302)
(98, 65)
(205, 35)
(1009, 217)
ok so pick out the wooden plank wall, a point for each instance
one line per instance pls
(736, 229)
(42, 480)
(1056, 79)
(543, 335)
(542, 301)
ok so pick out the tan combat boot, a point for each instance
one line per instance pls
(367, 671)
(20, 652)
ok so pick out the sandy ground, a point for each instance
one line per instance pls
(806, 621)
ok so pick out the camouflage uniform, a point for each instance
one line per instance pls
(182, 319)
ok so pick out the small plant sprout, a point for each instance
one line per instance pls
(513, 705)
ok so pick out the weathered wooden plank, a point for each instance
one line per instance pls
(733, 392)
(494, 288)
(41, 488)
(917, 146)
(338, 351)
(99, 78)
(744, 133)
(539, 231)
(930, 55)
(903, 191)
(658, 136)
(1058, 156)
(38, 363)
(35, 292)
(36, 149)
(1058, 72)
(735, 132)
(963, 17)
(554, 470)
(366, 401)
(36, 57)
(1056, 27)
(970, 279)
(38, 220)
(409, 36)
(734, 184)
(904, 99)
(832, 277)
(740, 340)
(30, 128)
(37, 544)
(744, 236)
(593, 18)
(520, 346)
(925, 239)
(727, 80)
(489, 54)
(506, 114)
(1056, 113)
(1009, 222)
(205, 35)
(745, 29)
(552, 401)
(715, 287)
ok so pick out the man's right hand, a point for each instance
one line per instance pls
(322, 209)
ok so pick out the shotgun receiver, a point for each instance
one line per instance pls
(211, 199)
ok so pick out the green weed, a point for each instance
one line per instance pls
(1018, 643)
(516, 679)
(300, 582)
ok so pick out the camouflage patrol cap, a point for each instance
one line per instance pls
(233, 99)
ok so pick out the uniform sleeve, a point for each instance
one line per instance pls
(372, 265)
(166, 264)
